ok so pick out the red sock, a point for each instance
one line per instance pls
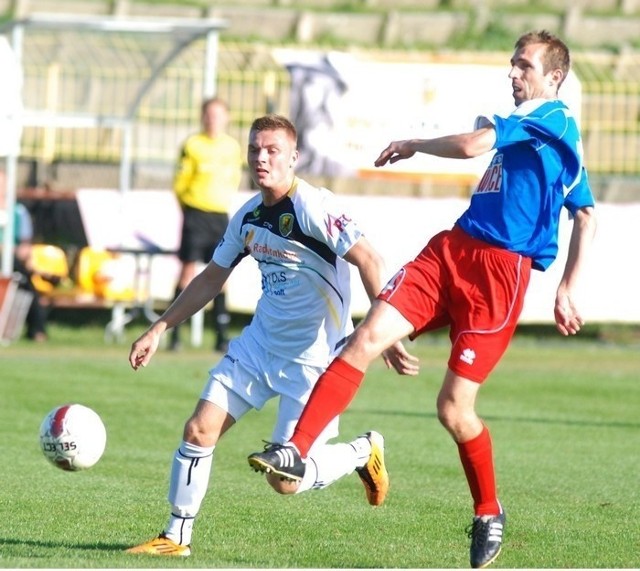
(477, 460)
(331, 395)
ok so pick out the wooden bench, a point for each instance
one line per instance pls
(122, 311)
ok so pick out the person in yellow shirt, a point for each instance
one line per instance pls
(207, 177)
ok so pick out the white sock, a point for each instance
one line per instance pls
(189, 482)
(330, 462)
(362, 447)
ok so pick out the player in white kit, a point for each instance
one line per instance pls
(303, 242)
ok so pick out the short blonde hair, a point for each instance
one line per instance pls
(274, 122)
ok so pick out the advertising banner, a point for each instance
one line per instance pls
(348, 107)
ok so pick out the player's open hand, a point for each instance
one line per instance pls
(568, 319)
(403, 362)
(396, 151)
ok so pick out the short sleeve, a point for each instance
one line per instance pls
(580, 195)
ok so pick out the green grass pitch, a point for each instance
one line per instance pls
(564, 415)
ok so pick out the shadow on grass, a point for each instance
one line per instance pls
(98, 546)
(557, 421)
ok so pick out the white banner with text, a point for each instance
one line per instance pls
(399, 228)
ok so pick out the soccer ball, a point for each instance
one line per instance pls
(72, 437)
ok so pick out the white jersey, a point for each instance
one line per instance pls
(303, 313)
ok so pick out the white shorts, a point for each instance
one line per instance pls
(248, 376)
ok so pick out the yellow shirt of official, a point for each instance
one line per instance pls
(208, 172)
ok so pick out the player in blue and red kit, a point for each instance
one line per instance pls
(473, 277)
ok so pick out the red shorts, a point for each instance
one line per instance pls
(475, 288)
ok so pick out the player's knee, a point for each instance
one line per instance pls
(196, 433)
(450, 414)
(447, 417)
(364, 344)
(361, 337)
(458, 421)
(285, 487)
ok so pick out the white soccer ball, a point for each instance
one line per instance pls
(72, 437)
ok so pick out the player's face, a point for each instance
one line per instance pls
(215, 119)
(271, 156)
(528, 78)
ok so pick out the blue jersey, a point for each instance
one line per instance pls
(537, 168)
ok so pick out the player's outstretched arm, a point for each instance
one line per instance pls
(461, 146)
(568, 318)
(396, 151)
(202, 289)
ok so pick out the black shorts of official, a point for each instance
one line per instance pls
(201, 233)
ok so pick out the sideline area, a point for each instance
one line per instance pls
(146, 224)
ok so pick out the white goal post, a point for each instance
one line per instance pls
(166, 38)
